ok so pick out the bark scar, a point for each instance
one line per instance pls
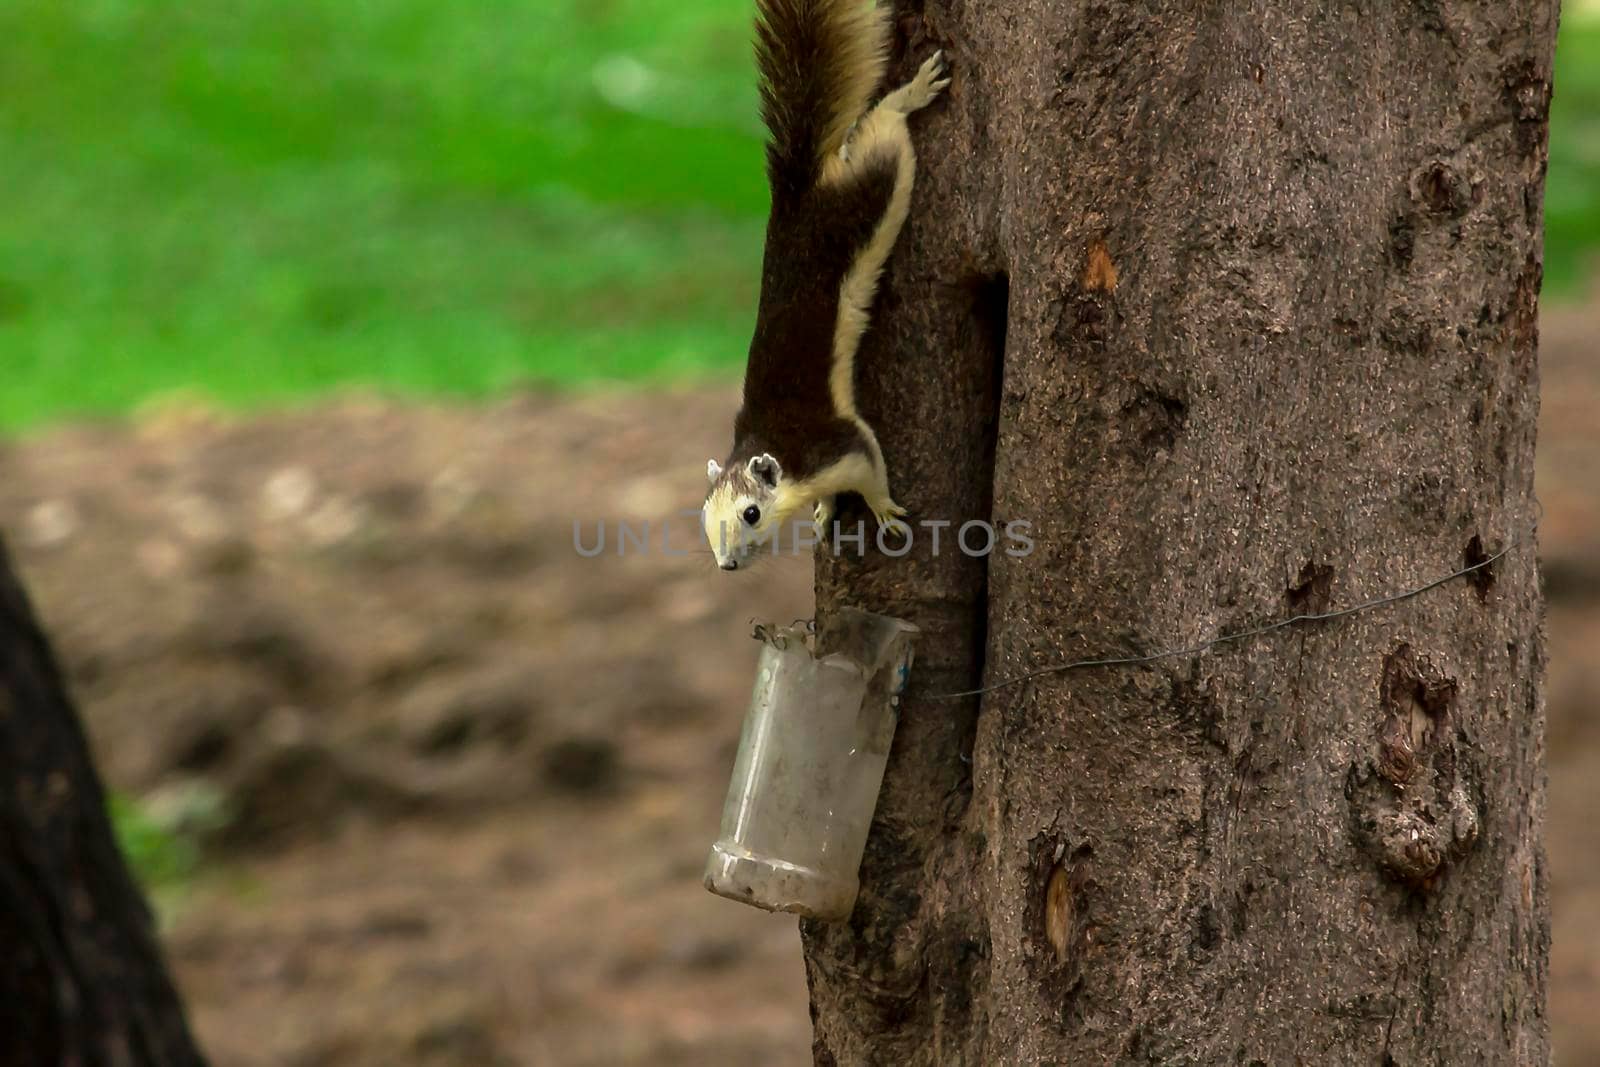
(1410, 810)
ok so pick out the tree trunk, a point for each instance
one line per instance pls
(1236, 304)
(83, 983)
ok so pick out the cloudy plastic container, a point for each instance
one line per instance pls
(810, 763)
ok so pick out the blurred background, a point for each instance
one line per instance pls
(320, 321)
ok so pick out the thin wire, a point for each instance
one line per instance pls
(1223, 639)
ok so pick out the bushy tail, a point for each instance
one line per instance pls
(820, 61)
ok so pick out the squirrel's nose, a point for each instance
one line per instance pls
(731, 565)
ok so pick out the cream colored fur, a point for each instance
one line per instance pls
(862, 33)
(882, 131)
(730, 537)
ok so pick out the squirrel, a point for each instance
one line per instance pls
(841, 178)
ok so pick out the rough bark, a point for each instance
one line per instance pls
(1236, 303)
(83, 982)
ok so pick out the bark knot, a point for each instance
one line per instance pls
(1099, 272)
(1442, 189)
(1064, 934)
(1410, 810)
(1312, 590)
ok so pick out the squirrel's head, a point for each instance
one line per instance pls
(743, 508)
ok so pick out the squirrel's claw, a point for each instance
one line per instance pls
(822, 518)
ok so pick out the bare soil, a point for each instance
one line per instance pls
(468, 778)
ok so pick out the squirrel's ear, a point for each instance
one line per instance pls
(713, 470)
(765, 469)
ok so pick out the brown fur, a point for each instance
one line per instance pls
(788, 409)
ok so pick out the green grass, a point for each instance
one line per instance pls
(266, 198)
(1572, 187)
(163, 846)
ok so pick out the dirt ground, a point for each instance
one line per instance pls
(467, 779)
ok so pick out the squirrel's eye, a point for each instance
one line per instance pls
(752, 515)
